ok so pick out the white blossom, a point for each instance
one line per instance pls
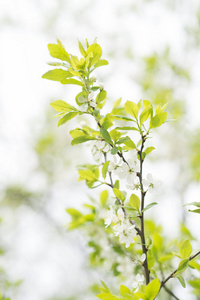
(127, 235)
(152, 184)
(99, 148)
(114, 166)
(139, 279)
(101, 86)
(143, 257)
(91, 100)
(109, 216)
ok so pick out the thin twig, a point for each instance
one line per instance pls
(174, 272)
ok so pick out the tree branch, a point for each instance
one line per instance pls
(174, 272)
(142, 236)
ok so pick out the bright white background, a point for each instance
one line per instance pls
(26, 27)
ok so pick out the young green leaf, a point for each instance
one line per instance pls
(104, 197)
(88, 175)
(71, 81)
(82, 139)
(101, 96)
(96, 50)
(106, 136)
(101, 62)
(62, 106)
(182, 266)
(118, 194)
(57, 74)
(185, 249)
(145, 114)
(135, 202)
(58, 51)
(148, 150)
(158, 120)
(105, 169)
(181, 280)
(131, 108)
(67, 117)
(124, 291)
(152, 289)
(81, 49)
(149, 206)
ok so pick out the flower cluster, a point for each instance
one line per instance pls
(122, 227)
(126, 170)
(87, 102)
(99, 148)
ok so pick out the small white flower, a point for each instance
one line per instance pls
(114, 165)
(109, 216)
(139, 279)
(93, 78)
(127, 235)
(152, 184)
(98, 149)
(143, 257)
(91, 100)
(135, 185)
(101, 86)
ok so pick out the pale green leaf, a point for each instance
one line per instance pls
(62, 106)
(182, 266)
(131, 108)
(101, 96)
(71, 81)
(158, 120)
(57, 74)
(149, 206)
(96, 50)
(104, 197)
(81, 49)
(58, 51)
(148, 150)
(135, 202)
(181, 280)
(106, 136)
(88, 175)
(118, 194)
(145, 114)
(101, 62)
(185, 249)
(67, 117)
(82, 139)
(105, 169)
(152, 289)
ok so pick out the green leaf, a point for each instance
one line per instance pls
(67, 117)
(114, 151)
(118, 194)
(158, 120)
(74, 213)
(88, 175)
(101, 62)
(105, 169)
(96, 50)
(104, 197)
(149, 206)
(145, 114)
(82, 139)
(130, 145)
(101, 96)
(123, 140)
(72, 81)
(81, 49)
(182, 281)
(62, 106)
(105, 134)
(58, 51)
(195, 283)
(197, 211)
(131, 108)
(185, 249)
(182, 266)
(124, 291)
(152, 289)
(127, 128)
(148, 150)
(135, 202)
(57, 74)
(193, 203)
